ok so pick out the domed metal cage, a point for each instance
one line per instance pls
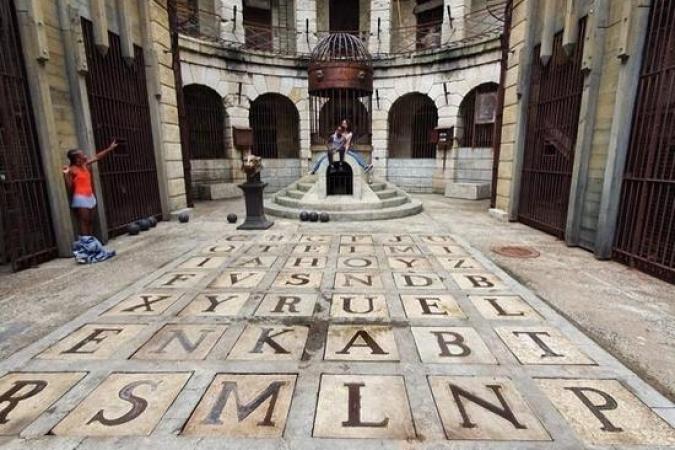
(341, 87)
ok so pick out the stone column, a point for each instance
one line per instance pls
(453, 28)
(306, 25)
(380, 25)
(232, 21)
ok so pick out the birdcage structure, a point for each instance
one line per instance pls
(341, 87)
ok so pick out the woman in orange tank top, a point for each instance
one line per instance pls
(78, 180)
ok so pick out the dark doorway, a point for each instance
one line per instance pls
(412, 120)
(206, 122)
(118, 102)
(339, 179)
(276, 127)
(552, 122)
(646, 221)
(26, 235)
(344, 16)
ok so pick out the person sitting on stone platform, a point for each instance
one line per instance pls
(343, 134)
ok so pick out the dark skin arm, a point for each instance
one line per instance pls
(103, 153)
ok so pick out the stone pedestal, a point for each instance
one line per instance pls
(255, 212)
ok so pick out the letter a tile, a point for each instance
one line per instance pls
(252, 406)
(484, 408)
(361, 343)
(363, 407)
(26, 395)
(125, 404)
(604, 412)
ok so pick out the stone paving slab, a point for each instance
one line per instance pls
(325, 340)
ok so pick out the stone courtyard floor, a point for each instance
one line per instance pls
(398, 334)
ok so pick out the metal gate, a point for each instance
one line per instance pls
(206, 122)
(118, 102)
(276, 127)
(552, 121)
(412, 120)
(646, 221)
(26, 235)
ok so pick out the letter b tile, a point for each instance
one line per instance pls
(451, 345)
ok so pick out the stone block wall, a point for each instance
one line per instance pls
(473, 165)
(279, 173)
(413, 175)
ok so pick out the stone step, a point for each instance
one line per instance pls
(304, 187)
(290, 202)
(378, 186)
(395, 201)
(292, 193)
(387, 193)
(410, 208)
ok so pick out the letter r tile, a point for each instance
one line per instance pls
(363, 407)
(606, 413)
(125, 404)
(484, 408)
(26, 395)
(249, 406)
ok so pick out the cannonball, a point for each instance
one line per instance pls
(183, 217)
(314, 216)
(324, 217)
(153, 221)
(133, 229)
(304, 216)
(143, 224)
(232, 218)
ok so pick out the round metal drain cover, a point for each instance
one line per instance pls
(516, 251)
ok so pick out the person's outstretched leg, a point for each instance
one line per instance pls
(318, 164)
(361, 162)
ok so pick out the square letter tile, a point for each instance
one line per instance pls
(484, 408)
(604, 412)
(181, 342)
(298, 280)
(363, 407)
(26, 395)
(359, 305)
(503, 307)
(360, 343)
(425, 280)
(287, 305)
(306, 262)
(203, 262)
(216, 304)
(431, 306)
(238, 279)
(451, 345)
(459, 263)
(357, 262)
(143, 304)
(270, 342)
(125, 404)
(95, 341)
(357, 280)
(478, 281)
(408, 263)
(252, 406)
(254, 262)
(178, 279)
(446, 250)
(541, 345)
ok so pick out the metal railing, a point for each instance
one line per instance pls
(416, 38)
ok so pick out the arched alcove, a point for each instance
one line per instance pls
(477, 113)
(276, 127)
(412, 120)
(206, 120)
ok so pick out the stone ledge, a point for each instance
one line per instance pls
(217, 191)
(468, 191)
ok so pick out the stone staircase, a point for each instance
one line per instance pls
(380, 200)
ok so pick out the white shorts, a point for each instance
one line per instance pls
(83, 201)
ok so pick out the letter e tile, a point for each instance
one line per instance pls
(95, 341)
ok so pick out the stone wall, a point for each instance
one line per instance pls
(473, 165)
(413, 175)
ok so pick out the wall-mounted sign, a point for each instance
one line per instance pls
(486, 108)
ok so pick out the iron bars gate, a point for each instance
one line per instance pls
(646, 221)
(26, 235)
(205, 115)
(412, 120)
(118, 102)
(552, 121)
(276, 127)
